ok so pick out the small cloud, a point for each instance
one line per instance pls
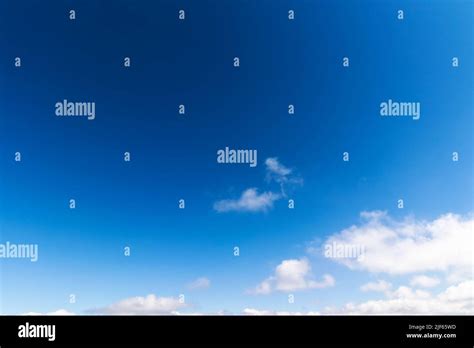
(200, 283)
(424, 281)
(292, 275)
(147, 305)
(249, 201)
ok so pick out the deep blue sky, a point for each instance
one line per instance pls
(190, 62)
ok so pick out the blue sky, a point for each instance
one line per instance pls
(190, 62)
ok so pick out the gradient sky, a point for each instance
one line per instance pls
(173, 156)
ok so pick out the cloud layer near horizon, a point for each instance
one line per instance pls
(148, 305)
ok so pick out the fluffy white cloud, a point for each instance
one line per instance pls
(459, 293)
(292, 275)
(379, 286)
(200, 283)
(457, 299)
(249, 201)
(443, 246)
(149, 304)
(424, 281)
(408, 246)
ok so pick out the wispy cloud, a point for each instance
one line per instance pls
(292, 275)
(274, 167)
(199, 283)
(281, 174)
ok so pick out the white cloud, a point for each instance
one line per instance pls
(292, 275)
(249, 201)
(253, 311)
(408, 246)
(404, 292)
(142, 305)
(58, 312)
(424, 281)
(379, 286)
(200, 283)
(457, 299)
(456, 276)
